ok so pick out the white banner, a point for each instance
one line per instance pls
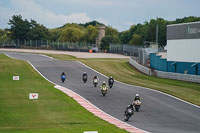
(33, 95)
(15, 77)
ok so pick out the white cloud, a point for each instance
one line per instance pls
(31, 10)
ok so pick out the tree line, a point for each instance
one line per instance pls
(22, 29)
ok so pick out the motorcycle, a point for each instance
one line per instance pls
(104, 90)
(111, 83)
(84, 79)
(63, 77)
(137, 104)
(128, 113)
(95, 82)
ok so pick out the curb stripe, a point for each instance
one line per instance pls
(97, 112)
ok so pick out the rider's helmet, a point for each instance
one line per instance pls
(104, 82)
(110, 76)
(84, 72)
(95, 77)
(137, 95)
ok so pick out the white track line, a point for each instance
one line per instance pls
(47, 56)
(141, 86)
(11, 57)
(93, 109)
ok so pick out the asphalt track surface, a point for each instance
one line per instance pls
(159, 113)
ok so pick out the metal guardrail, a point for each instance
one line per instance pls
(178, 76)
(140, 67)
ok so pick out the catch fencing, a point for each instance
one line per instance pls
(45, 44)
(139, 53)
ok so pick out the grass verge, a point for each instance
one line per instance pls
(121, 70)
(53, 112)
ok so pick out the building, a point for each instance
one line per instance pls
(183, 50)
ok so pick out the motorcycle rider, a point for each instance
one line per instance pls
(137, 97)
(95, 77)
(104, 85)
(110, 81)
(104, 88)
(95, 81)
(129, 106)
(84, 76)
(63, 77)
(137, 102)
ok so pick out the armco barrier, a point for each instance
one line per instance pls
(140, 67)
(178, 76)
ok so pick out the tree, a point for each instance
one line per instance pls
(4, 35)
(136, 40)
(25, 30)
(125, 36)
(71, 34)
(55, 34)
(111, 31)
(105, 41)
(38, 32)
(91, 34)
(19, 27)
(93, 23)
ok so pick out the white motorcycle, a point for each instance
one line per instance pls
(95, 82)
(137, 104)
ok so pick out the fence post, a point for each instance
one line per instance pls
(30, 43)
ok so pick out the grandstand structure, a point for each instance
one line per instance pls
(183, 50)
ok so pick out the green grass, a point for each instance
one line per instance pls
(53, 112)
(121, 70)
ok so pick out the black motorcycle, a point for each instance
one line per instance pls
(128, 112)
(85, 78)
(110, 83)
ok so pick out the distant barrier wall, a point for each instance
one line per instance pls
(140, 67)
(178, 76)
(169, 75)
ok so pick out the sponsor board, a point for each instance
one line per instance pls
(15, 77)
(33, 95)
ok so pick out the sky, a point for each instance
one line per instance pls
(119, 14)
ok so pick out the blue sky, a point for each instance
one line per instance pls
(120, 14)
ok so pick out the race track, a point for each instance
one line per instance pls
(159, 113)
